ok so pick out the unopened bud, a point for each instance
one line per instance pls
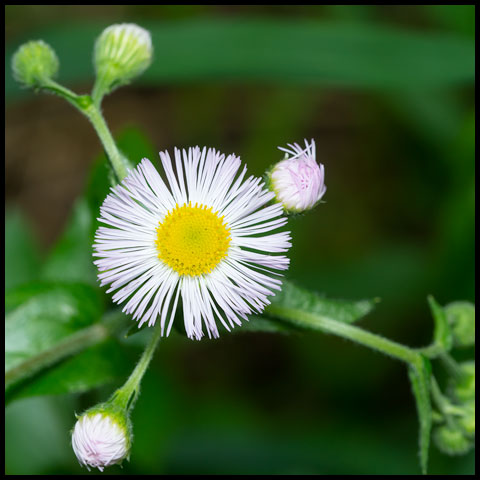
(101, 437)
(297, 180)
(122, 52)
(461, 317)
(450, 440)
(34, 63)
(467, 421)
(462, 388)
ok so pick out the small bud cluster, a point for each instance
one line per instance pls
(456, 435)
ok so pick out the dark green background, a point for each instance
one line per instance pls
(398, 223)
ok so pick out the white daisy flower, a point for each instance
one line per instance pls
(205, 239)
(298, 181)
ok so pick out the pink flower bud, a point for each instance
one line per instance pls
(298, 181)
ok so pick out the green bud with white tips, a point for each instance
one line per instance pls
(122, 52)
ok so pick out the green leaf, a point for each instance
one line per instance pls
(71, 258)
(294, 297)
(442, 335)
(42, 317)
(419, 374)
(22, 258)
(256, 323)
(97, 365)
(290, 51)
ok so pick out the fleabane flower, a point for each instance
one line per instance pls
(297, 180)
(101, 438)
(121, 53)
(205, 238)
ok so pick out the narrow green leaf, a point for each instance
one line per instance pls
(71, 258)
(442, 334)
(297, 298)
(419, 374)
(40, 318)
(279, 51)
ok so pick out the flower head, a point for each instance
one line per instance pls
(203, 238)
(451, 440)
(34, 63)
(461, 317)
(101, 438)
(297, 180)
(122, 52)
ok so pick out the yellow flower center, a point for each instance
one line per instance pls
(192, 240)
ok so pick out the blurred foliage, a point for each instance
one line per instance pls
(388, 93)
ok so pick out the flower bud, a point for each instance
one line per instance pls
(467, 421)
(122, 52)
(463, 387)
(33, 63)
(450, 440)
(461, 317)
(101, 437)
(297, 180)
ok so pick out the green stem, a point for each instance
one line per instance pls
(91, 109)
(432, 351)
(73, 344)
(116, 159)
(126, 395)
(345, 330)
(450, 365)
(442, 403)
(54, 87)
(100, 89)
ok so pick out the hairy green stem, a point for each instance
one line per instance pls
(71, 345)
(345, 330)
(126, 395)
(117, 161)
(91, 109)
(442, 403)
(450, 364)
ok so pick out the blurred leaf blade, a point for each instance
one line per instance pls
(22, 259)
(277, 51)
(95, 366)
(42, 317)
(71, 258)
